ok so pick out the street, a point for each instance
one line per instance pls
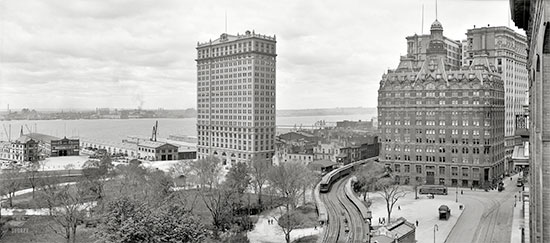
(487, 216)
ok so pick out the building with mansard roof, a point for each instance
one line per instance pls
(440, 123)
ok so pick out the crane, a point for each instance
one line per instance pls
(8, 135)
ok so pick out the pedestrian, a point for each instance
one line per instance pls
(398, 207)
(379, 220)
(417, 223)
(461, 192)
(315, 227)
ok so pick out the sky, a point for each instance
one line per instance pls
(77, 54)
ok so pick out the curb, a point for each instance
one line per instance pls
(463, 210)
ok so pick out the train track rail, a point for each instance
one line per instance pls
(346, 223)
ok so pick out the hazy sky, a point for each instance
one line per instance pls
(123, 53)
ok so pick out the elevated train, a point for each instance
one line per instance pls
(328, 180)
(335, 175)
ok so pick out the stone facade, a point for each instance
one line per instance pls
(440, 124)
(533, 16)
(506, 50)
(236, 97)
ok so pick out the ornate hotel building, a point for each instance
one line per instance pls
(236, 97)
(440, 123)
(417, 49)
(534, 17)
(506, 50)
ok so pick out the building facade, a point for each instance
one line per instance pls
(236, 97)
(157, 151)
(65, 147)
(534, 17)
(443, 125)
(506, 50)
(24, 149)
(417, 50)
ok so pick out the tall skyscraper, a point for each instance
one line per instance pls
(506, 50)
(417, 51)
(442, 125)
(236, 97)
(533, 16)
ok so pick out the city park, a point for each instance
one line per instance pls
(78, 199)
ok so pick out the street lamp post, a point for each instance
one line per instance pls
(457, 192)
(436, 228)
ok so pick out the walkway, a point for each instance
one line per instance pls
(272, 233)
(424, 210)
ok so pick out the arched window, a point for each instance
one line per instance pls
(546, 42)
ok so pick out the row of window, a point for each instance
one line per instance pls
(418, 113)
(441, 169)
(431, 149)
(433, 123)
(236, 147)
(435, 94)
(432, 102)
(235, 123)
(433, 131)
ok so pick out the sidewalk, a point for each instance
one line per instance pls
(272, 233)
(424, 210)
(521, 216)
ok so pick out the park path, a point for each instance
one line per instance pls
(271, 233)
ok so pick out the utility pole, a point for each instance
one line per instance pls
(457, 192)
(436, 228)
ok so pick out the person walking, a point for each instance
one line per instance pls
(417, 223)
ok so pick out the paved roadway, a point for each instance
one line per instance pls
(487, 216)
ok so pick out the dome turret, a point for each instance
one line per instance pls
(436, 25)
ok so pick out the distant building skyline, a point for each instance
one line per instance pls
(130, 54)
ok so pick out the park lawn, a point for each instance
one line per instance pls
(193, 199)
(308, 214)
(25, 201)
(39, 229)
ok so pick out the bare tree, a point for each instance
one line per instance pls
(139, 183)
(391, 192)
(218, 203)
(31, 173)
(71, 210)
(181, 169)
(368, 176)
(207, 171)
(259, 169)
(11, 182)
(48, 189)
(288, 180)
(289, 221)
(96, 173)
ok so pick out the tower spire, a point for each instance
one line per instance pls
(422, 27)
(226, 21)
(436, 9)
